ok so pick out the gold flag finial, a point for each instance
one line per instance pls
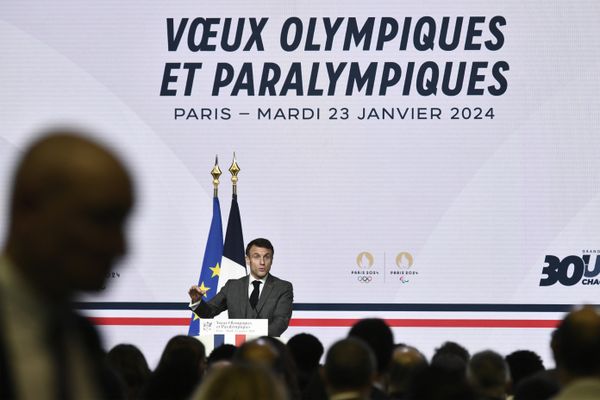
(216, 173)
(234, 170)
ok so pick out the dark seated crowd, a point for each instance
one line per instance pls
(367, 364)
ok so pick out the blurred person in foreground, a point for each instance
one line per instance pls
(576, 349)
(523, 364)
(376, 333)
(452, 357)
(306, 351)
(179, 371)
(436, 382)
(130, 365)
(69, 204)
(349, 371)
(220, 356)
(241, 382)
(407, 363)
(271, 353)
(489, 375)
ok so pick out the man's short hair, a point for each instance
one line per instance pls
(523, 363)
(260, 242)
(377, 334)
(488, 370)
(576, 342)
(349, 364)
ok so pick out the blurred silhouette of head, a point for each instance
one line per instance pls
(241, 382)
(271, 353)
(454, 349)
(69, 205)
(306, 350)
(349, 366)
(179, 370)
(488, 374)
(128, 362)
(435, 383)
(379, 337)
(452, 357)
(539, 386)
(576, 344)
(523, 363)
(407, 362)
(221, 356)
(260, 352)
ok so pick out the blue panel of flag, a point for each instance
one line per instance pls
(211, 264)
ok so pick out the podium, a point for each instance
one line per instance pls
(215, 332)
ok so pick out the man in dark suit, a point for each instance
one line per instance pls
(70, 201)
(257, 295)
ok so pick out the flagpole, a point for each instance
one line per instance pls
(233, 261)
(216, 173)
(234, 170)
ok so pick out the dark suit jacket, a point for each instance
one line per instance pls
(275, 303)
(106, 380)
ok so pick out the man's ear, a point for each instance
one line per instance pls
(247, 260)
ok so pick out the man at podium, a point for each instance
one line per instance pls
(257, 295)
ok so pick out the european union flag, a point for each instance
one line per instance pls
(211, 264)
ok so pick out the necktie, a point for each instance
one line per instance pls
(254, 294)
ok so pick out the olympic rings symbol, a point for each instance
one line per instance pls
(364, 279)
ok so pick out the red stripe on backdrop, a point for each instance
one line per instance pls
(435, 323)
(340, 322)
(147, 321)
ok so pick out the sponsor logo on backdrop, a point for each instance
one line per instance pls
(372, 269)
(572, 270)
(366, 268)
(404, 271)
(404, 260)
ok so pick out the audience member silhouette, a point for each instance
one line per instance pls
(406, 363)
(543, 385)
(523, 363)
(272, 354)
(349, 370)
(221, 356)
(451, 357)
(435, 383)
(576, 349)
(379, 337)
(179, 370)
(241, 381)
(488, 374)
(66, 230)
(128, 362)
(306, 350)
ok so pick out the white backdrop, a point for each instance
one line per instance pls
(477, 204)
